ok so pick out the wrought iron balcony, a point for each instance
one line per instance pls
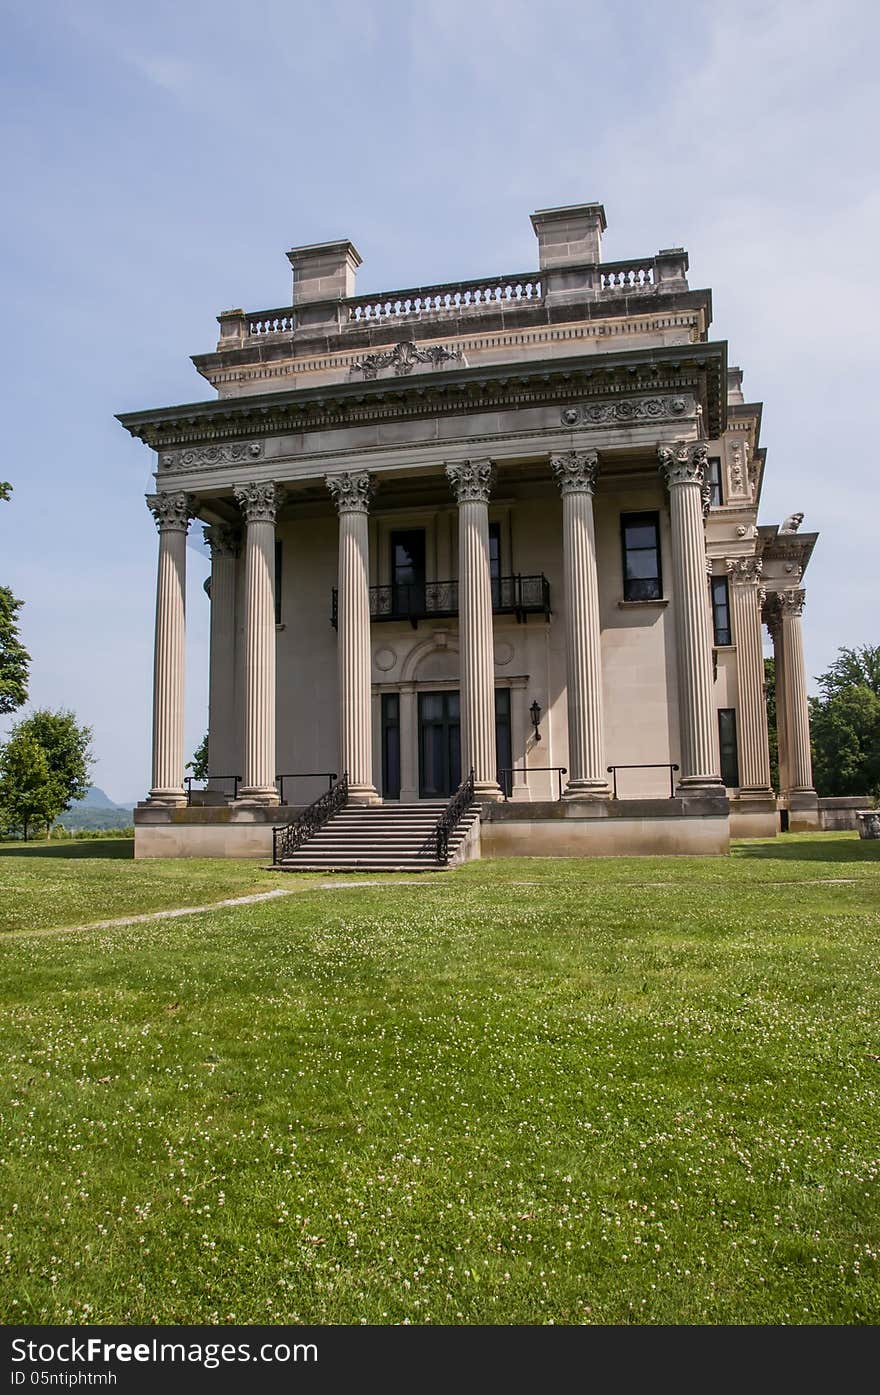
(517, 595)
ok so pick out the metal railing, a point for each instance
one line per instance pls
(414, 601)
(190, 780)
(452, 816)
(507, 784)
(286, 838)
(657, 765)
(328, 775)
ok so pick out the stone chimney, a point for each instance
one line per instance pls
(570, 235)
(324, 271)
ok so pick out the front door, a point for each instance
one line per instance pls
(439, 745)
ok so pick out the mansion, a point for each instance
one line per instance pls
(506, 526)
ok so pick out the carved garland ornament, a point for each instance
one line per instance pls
(684, 462)
(576, 472)
(630, 409)
(172, 512)
(471, 481)
(259, 502)
(211, 455)
(351, 492)
(403, 358)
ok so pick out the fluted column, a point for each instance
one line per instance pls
(259, 503)
(223, 759)
(351, 495)
(746, 595)
(172, 513)
(471, 483)
(797, 712)
(576, 474)
(684, 468)
(773, 621)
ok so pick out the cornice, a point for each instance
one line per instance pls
(700, 368)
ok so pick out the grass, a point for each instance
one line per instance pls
(616, 1091)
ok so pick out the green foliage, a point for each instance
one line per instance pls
(14, 658)
(68, 750)
(5, 489)
(29, 792)
(845, 724)
(199, 763)
(772, 731)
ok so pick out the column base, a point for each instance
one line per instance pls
(701, 784)
(754, 792)
(166, 799)
(489, 790)
(363, 794)
(260, 795)
(587, 789)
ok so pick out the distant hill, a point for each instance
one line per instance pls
(95, 798)
(96, 810)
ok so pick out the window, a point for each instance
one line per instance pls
(642, 579)
(713, 479)
(391, 746)
(721, 610)
(495, 563)
(503, 742)
(408, 572)
(727, 743)
(279, 566)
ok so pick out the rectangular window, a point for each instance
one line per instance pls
(727, 743)
(408, 572)
(495, 563)
(721, 610)
(503, 742)
(713, 478)
(279, 567)
(642, 578)
(391, 746)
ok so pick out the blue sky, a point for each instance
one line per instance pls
(158, 163)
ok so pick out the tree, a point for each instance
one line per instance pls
(28, 791)
(845, 724)
(14, 658)
(199, 763)
(67, 746)
(772, 731)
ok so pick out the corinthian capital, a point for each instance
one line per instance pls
(222, 540)
(577, 471)
(259, 502)
(471, 481)
(352, 491)
(172, 512)
(745, 571)
(684, 462)
(791, 602)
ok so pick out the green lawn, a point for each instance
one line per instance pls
(615, 1091)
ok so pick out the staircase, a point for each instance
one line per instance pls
(380, 838)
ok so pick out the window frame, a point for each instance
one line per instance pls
(642, 518)
(730, 746)
(715, 481)
(718, 630)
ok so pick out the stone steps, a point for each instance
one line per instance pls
(380, 838)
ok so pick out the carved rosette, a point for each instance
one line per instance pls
(745, 571)
(684, 463)
(222, 540)
(352, 492)
(259, 502)
(576, 472)
(471, 481)
(172, 512)
(791, 603)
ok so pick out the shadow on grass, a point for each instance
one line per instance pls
(83, 847)
(853, 849)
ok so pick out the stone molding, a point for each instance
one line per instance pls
(684, 462)
(259, 502)
(576, 472)
(352, 491)
(224, 541)
(745, 571)
(405, 358)
(629, 409)
(471, 481)
(172, 512)
(232, 454)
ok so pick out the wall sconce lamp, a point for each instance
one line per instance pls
(535, 713)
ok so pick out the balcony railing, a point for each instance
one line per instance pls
(436, 600)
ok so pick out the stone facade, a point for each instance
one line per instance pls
(430, 509)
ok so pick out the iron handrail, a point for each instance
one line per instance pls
(529, 770)
(190, 780)
(657, 765)
(452, 815)
(329, 775)
(517, 594)
(286, 838)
